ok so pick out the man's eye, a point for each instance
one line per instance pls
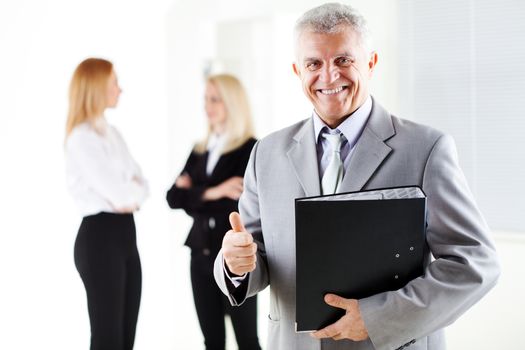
(344, 61)
(312, 65)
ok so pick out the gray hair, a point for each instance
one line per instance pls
(331, 18)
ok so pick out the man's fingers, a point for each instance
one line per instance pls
(240, 260)
(243, 251)
(327, 332)
(233, 251)
(350, 326)
(339, 336)
(239, 250)
(239, 271)
(337, 301)
(333, 330)
(246, 261)
(237, 239)
(240, 265)
(236, 222)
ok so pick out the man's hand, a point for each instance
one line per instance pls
(350, 326)
(238, 247)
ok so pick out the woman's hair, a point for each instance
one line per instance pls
(87, 92)
(239, 127)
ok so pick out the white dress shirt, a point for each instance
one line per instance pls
(101, 174)
(215, 146)
(351, 129)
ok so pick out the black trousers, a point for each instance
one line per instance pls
(107, 259)
(212, 305)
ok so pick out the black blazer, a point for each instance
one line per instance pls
(210, 218)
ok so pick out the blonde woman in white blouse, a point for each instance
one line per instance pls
(107, 186)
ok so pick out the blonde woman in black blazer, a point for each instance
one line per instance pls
(208, 189)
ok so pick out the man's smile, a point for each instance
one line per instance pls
(332, 91)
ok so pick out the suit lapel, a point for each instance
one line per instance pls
(370, 150)
(303, 157)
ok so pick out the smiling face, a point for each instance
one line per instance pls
(335, 71)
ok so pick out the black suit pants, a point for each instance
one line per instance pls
(212, 305)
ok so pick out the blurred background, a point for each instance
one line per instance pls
(454, 64)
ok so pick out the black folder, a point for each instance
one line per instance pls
(355, 245)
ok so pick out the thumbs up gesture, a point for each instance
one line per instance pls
(238, 248)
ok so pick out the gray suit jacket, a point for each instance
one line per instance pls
(390, 152)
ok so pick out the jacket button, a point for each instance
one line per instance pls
(211, 223)
(206, 251)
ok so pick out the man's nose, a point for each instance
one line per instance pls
(329, 74)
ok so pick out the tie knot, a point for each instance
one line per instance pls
(334, 140)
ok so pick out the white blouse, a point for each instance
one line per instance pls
(215, 146)
(101, 174)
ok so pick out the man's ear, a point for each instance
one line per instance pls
(372, 62)
(296, 70)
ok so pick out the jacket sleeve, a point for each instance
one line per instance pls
(465, 266)
(191, 199)
(188, 199)
(258, 279)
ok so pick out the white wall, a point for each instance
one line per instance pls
(42, 300)
(254, 41)
(459, 74)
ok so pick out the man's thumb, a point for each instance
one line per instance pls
(236, 222)
(337, 301)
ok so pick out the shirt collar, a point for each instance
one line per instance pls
(216, 141)
(352, 127)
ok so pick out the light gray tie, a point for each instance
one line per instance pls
(334, 171)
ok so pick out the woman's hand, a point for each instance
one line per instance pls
(231, 188)
(138, 180)
(183, 181)
(127, 210)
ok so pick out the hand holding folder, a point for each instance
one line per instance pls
(350, 326)
(355, 245)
